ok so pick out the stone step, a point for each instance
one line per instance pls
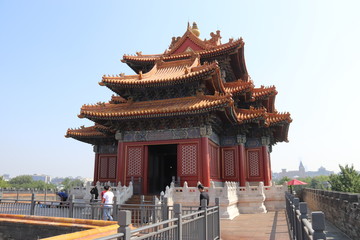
(135, 199)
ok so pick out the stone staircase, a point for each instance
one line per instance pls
(138, 212)
(136, 199)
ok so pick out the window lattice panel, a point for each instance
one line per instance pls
(134, 161)
(254, 168)
(214, 161)
(103, 167)
(229, 164)
(112, 167)
(188, 159)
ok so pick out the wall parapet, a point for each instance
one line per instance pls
(234, 199)
(341, 209)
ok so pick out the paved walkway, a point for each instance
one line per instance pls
(262, 226)
(332, 232)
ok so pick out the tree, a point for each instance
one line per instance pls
(348, 180)
(26, 181)
(70, 183)
(3, 183)
(22, 181)
(283, 180)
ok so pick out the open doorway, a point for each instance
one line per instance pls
(162, 167)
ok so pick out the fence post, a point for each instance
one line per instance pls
(295, 226)
(115, 209)
(291, 208)
(32, 205)
(318, 224)
(124, 220)
(164, 209)
(177, 214)
(71, 207)
(203, 207)
(155, 209)
(303, 214)
(142, 210)
(217, 203)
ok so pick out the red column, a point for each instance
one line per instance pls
(267, 170)
(205, 159)
(96, 168)
(121, 173)
(242, 165)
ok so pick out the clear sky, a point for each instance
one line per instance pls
(54, 53)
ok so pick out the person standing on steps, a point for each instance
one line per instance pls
(203, 195)
(107, 200)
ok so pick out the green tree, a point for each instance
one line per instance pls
(69, 183)
(26, 181)
(348, 180)
(22, 181)
(3, 183)
(283, 180)
(317, 182)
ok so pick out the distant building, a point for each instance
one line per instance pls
(57, 180)
(41, 177)
(301, 173)
(6, 177)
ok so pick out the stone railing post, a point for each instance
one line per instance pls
(164, 209)
(71, 206)
(33, 204)
(295, 207)
(177, 214)
(318, 225)
(115, 209)
(124, 220)
(142, 209)
(217, 203)
(155, 209)
(204, 207)
(303, 214)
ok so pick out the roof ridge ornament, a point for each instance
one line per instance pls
(195, 30)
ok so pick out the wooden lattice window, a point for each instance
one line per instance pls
(255, 165)
(135, 159)
(107, 165)
(214, 161)
(229, 162)
(188, 159)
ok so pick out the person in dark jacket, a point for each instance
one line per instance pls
(203, 194)
(95, 193)
(63, 196)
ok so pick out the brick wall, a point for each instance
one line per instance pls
(341, 209)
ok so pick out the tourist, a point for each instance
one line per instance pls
(203, 195)
(63, 196)
(94, 193)
(107, 200)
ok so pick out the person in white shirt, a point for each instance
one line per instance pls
(107, 200)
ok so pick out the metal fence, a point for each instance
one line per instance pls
(25, 194)
(142, 215)
(299, 225)
(202, 224)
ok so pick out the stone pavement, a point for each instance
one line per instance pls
(333, 232)
(261, 226)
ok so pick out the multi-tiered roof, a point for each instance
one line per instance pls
(193, 83)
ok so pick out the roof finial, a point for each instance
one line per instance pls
(195, 29)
